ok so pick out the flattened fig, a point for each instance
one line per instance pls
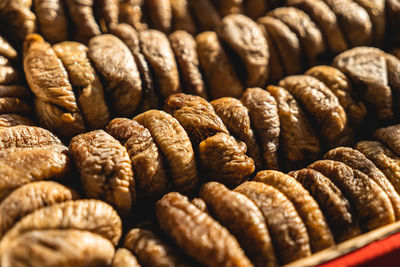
(10, 120)
(7, 50)
(18, 16)
(389, 136)
(243, 219)
(124, 258)
(200, 236)
(160, 14)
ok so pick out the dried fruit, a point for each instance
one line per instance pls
(200, 236)
(356, 160)
(200, 204)
(147, 162)
(384, 159)
(58, 248)
(196, 116)
(185, 49)
(87, 215)
(370, 202)
(124, 258)
(47, 78)
(175, 145)
(215, 64)
(181, 17)
(287, 230)
(367, 69)
(252, 49)
(205, 13)
(326, 21)
(287, 44)
(106, 12)
(298, 138)
(226, 7)
(150, 250)
(223, 158)
(334, 205)
(10, 120)
(243, 219)
(14, 105)
(158, 53)
(160, 14)
(87, 85)
(340, 85)
(130, 12)
(389, 137)
(236, 118)
(105, 169)
(29, 198)
(6, 49)
(116, 65)
(51, 19)
(308, 33)
(319, 101)
(264, 117)
(17, 14)
(308, 209)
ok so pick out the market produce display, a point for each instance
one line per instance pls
(195, 132)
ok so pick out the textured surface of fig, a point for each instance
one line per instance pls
(390, 137)
(124, 258)
(10, 120)
(334, 205)
(287, 230)
(243, 219)
(318, 229)
(151, 250)
(105, 169)
(356, 160)
(196, 233)
(224, 159)
(372, 205)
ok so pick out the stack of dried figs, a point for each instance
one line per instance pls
(182, 117)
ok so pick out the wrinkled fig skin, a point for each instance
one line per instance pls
(69, 248)
(308, 33)
(389, 136)
(158, 53)
(106, 12)
(27, 136)
(196, 233)
(196, 116)
(236, 118)
(326, 21)
(341, 86)
(52, 19)
(87, 215)
(19, 166)
(115, 63)
(17, 15)
(215, 64)
(200, 204)
(81, 14)
(367, 68)
(150, 250)
(354, 21)
(175, 146)
(245, 37)
(298, 137)
(10, 120)
(276, 71)
(205, 13)
(287, 230)
(130, 37)
(7, 50)
(356, 160)
(160, 14)
(181, 17)
(319, 101)
(224, 159)
(147, 162)
(372, 205)
(334, 205)
(264, 117)
(87, 85)
(243, 219)
(318, 230)
(105, 169)
(29, 198)
(185, 49)
(287, 44)
(56, 105)
(124, 258)
(384, 159)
